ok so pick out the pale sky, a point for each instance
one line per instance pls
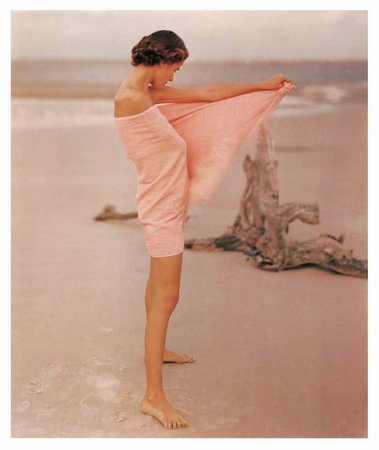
(208, 35)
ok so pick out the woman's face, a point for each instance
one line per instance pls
(166, 73)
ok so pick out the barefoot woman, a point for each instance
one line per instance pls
(161, 211)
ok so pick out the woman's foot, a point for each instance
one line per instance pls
(160, 408)
(180, 358)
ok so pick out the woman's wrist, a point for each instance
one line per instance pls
(264, 85)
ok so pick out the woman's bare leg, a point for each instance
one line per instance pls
(165, 288)
(168, 355)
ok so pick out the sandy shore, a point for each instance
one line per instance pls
(277, 354)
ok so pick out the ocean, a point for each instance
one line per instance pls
(80, 92)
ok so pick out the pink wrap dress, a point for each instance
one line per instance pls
(180, 152)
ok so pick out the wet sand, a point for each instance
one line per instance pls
(277, 354)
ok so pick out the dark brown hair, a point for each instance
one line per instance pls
(162, 45)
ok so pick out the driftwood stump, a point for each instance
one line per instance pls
(260, 230)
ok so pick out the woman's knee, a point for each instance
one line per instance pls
(165, 298)
(165, 281)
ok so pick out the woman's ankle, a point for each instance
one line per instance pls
(155, 395)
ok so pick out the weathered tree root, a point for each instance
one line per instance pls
(261, 226)
(260, 230)
(109, 212)
(324, 251)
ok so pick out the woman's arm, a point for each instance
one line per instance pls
(212, 92)
(220, 91)
(178, 95)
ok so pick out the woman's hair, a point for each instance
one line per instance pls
(162, 45)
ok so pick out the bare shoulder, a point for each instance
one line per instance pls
(131, 102)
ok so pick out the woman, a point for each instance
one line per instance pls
(156, 58)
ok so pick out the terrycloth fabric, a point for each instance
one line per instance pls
(181, 151)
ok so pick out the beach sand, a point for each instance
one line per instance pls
(277, 354)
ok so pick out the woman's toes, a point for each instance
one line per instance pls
(189, 358)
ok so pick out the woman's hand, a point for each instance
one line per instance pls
(276, 82)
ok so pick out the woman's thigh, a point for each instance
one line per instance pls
(165, 273)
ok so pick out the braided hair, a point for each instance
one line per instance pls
(162, 45)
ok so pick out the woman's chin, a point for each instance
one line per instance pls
(158, 85)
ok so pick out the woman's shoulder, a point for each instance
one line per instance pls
(130, 102)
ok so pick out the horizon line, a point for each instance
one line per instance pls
(201, 61)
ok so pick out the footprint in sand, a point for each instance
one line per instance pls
(47, 376)
(106, 385)
(23, 406)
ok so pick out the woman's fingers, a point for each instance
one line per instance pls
(278, 81)
(285, 79)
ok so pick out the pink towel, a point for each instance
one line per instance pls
(181, 151)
